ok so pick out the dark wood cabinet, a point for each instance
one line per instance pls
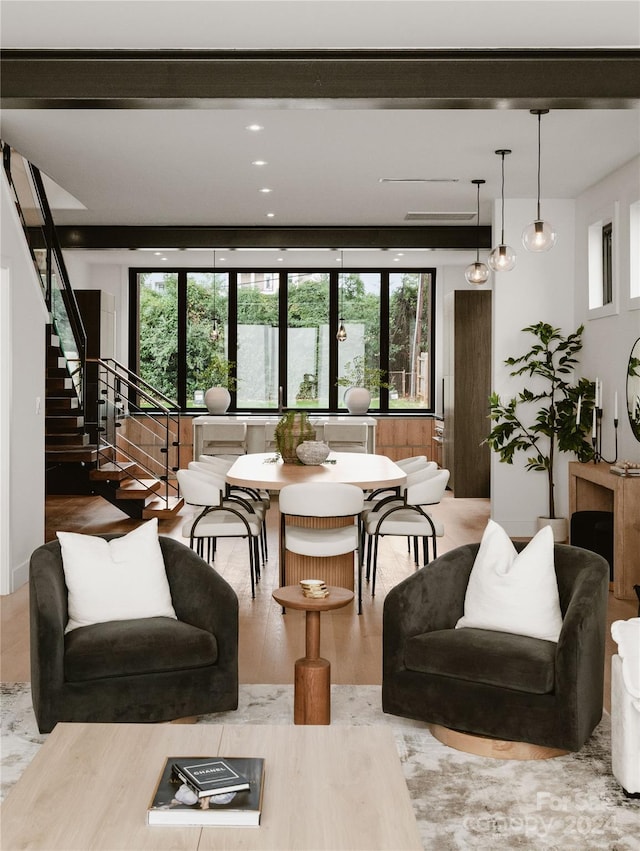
(467, 385)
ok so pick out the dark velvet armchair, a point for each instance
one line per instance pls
(496, 684)
(151, 669)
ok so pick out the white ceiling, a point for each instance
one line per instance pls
(193, 167)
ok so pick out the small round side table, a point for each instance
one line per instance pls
(312, 683)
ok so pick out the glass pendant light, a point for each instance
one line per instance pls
(341, 336)
(477, 273)
(503, 257)
(539, 235)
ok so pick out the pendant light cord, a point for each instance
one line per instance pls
(539, 125)
(478, 225)
(502, 195)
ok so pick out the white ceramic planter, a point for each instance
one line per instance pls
(357, 400)
(217, 400)
(559, 527)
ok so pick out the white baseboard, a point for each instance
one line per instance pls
(19, 575)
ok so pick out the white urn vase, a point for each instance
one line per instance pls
(357, 400)
(217, 400)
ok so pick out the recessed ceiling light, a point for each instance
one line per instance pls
(396, 259)
(255, 128)
(259, 162)
(270, 215)
(265, 189)
(280, 259)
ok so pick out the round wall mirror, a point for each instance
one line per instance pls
(633, 389)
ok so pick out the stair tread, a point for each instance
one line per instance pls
(163, 508)
(137, 489)
(113, 471)
(71, 453)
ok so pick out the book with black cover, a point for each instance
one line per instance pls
(174, 802)
(210, 776)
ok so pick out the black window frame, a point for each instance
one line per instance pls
(232, 341)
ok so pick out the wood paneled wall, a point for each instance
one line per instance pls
(402, 437)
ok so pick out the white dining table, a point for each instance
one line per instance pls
(268, 471)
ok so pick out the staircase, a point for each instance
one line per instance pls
(74, 465)
(90, 439)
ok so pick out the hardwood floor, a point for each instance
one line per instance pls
(269, 641)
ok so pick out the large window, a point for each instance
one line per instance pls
(271, 336)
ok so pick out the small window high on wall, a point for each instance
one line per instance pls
(602, 239)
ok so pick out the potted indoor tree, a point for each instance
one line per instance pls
(360, 380)
(552, 414)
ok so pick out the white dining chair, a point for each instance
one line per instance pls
(218, 518)
(346, 437)
(225, 439)
(416, 473)
(314, 500)
(407, 517)
(249, 498)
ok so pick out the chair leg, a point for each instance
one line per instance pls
(252, 567)
(369, 543)
(416, 559)
(375, 565)
(425, 550)
(359, 553)
(256, 557)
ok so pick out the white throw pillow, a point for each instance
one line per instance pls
(115, 580)
(513, 592)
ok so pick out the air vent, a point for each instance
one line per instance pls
(418, 180)
(440, 217)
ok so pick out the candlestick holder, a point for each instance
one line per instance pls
(596, 439)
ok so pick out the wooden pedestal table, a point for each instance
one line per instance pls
(312, 683)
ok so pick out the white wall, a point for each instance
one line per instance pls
(540, 288)
(23, 384)
(608, 339)
(111, 278)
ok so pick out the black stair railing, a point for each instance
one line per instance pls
(135, 422)
(33, 209)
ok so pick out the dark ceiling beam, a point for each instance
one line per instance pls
(476, 79)
(122, 236)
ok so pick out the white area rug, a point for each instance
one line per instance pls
(461, 801)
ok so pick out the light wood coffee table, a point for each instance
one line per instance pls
(331, 788)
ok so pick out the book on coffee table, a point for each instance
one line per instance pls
(175, 802)
(210, 776)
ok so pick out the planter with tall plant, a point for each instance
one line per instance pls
(361, 381)
(552, 414)
(220, 377)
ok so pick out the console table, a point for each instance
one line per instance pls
(593, 488)
(256, 429)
